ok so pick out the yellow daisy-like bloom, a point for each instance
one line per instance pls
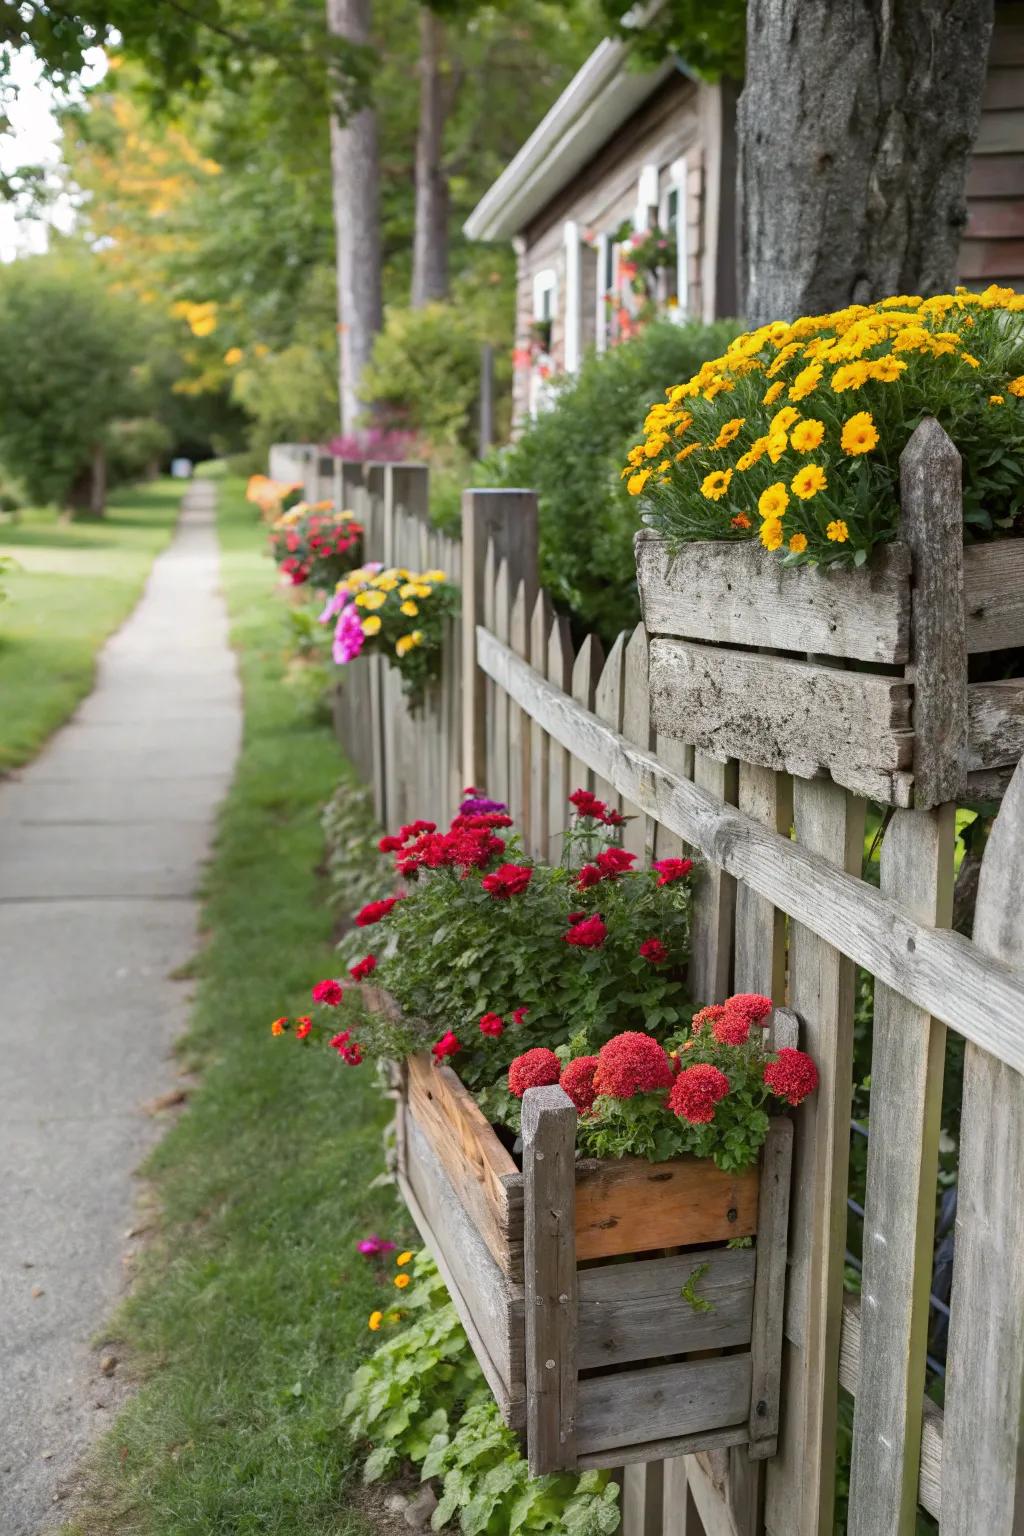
(859, 434)
(798, 543)
(730, 431)
(997, 400)
(773, 392)
(771, 533)
(783, 420)
(684, 453)
(852, 376)
(371, 625)
(410, 609)
(371, 600)
(772, 503)
(386, 583)
(402, 1281)
(404, 1257)
(636, 483)
(777, 445)
(886, 369)
(806, 381)
(633, 458)
(654, 445)
(662, 468)
(434, 576)
(409, 642)
(837, 531)
(746, 461)
(374, 1321)
(717, 386)
(1016, 386)
(807, 482)
(807, 435)
(715, 485)
(788, 351)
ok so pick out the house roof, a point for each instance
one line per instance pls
(603, 94)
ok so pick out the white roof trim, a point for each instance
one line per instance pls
(597, 101)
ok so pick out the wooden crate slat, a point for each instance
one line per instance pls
(631, 1206)
(490, 1306)
(995, 714)
(481, 1171)
(738, 594)
(664, 1450)
(633, 1312)
(944, 973)
(797, 716)
(662, 1400)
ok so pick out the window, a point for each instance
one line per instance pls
(545, 308)
(672, 218)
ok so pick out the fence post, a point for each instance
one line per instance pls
(348, 479)
(509, 518)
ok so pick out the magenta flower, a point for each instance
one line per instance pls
(348, 636)
(370, 1246)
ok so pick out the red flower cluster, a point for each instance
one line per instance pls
(396, 840)
(492, 1024)
(303, 1026)
(792, 1075)
(670, 870)
(578, 1081)
(631, 1063)
(609, 864)
(752, 1006)
(446, 1046)
(519, 1014)
(507, 880)
(654, 951)
(316, 547)
(350, 1051)
(328, 992)
(480, 821)
(461, 849)
(588, 934)
(589, 807)
(374, 911)
(533, 1069)
(731, 1021)
(696, 1091)
(709, 1015)
(363, 968)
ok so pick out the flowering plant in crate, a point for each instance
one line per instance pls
(793, 436)
(313, 543)
(397, 612)
(488, 954)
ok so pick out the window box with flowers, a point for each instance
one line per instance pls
(314, 545)
(396, 613)
(848, 488)
(597, 1170)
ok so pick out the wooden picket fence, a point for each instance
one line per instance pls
(780, 908)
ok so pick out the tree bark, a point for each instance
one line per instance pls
(430, 241)
(355, 168)
(856, 125)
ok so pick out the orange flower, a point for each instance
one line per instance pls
(279, 1026)
(402, 1281)
(741, 520)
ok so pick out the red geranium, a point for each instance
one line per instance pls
(631, 1063)
(578, 1081)
(363, 968)
(614, 861)
(507, 880)
(415, 828)
(492, 1024)
(792, 1075)
(328, 992)
(303, 1026)
(588, 804)
(391, 843)
(533, 1069)
(654, 951)
(446, 1046)
(589, 875)
(519, 1014)
(670, 870)
(730, 1028)
(709, 1015)
(589, 934)
(752, 1006)
(374, 911)
(350, 1053)
(696, 1091)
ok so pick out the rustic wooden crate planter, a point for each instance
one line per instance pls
(611, 1320)
(858, 673)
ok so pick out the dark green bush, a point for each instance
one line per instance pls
(572, 455)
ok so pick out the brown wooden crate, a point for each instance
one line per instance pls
(631, 1206)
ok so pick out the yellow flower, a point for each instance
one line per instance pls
(434, 576)
(783, 420)
(777, 445)
(773, 392)
(806, 380)
(374, 1321)
(771, 533)
(786, 352)
(1016, 386)
(402, 1281)
(716, 387)
(654, 445)
(715, 485)
(886, 369)
(636, 483)
(996, 400)
(837, 531)
(409, 642)
(729, 432)
(684, 453)
(746, 461)
(385, 583)
(807, 435)
(851, 376)
(419, 587)
(371, 625)
(662, 468)
(233, 356)
(798, 543)
(859, 434)
(807, 482)
(370, 600)
(404, 1257)
(410, 610)
(772, 503)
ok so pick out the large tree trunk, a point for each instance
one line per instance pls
(430, 243)
(355, 165)
(856, 125)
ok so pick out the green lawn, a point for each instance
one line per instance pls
(72, 585)
(253, 1301)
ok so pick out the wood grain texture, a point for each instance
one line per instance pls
(932, 526)
(586, 670)
(738, 594)
(980, 997)
(540, 747)
(770, 1284)
(491, 1308)
(498, 702)
(481, 1171)
(662, 1401)
(608, 700)
(549, 1153)
(636, 1311)
(797, 716)
(760, 954)
(678, 758)
(994, 595)
(627, 1205)
(714, 898)
(681, 1517)
(907, 1061)
(677, 1445)
(983, 1460)
(643, 1499)
(638, 834)
(560, 786)
(519, 725)
(995, 735)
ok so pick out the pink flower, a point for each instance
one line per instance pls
(446, 1046)
(328, 992)
(491, 1024)
(348, 636)
(370, 1246)
(589, 934)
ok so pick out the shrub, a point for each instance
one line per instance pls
(572, 456)
(424, 375)
(136, 446)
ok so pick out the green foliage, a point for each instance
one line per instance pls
(708, 36)
(572, 454)
(77, 349)
(352, 863)
(689, 1291)
(136, 445)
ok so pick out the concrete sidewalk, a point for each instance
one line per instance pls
(102, 842)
